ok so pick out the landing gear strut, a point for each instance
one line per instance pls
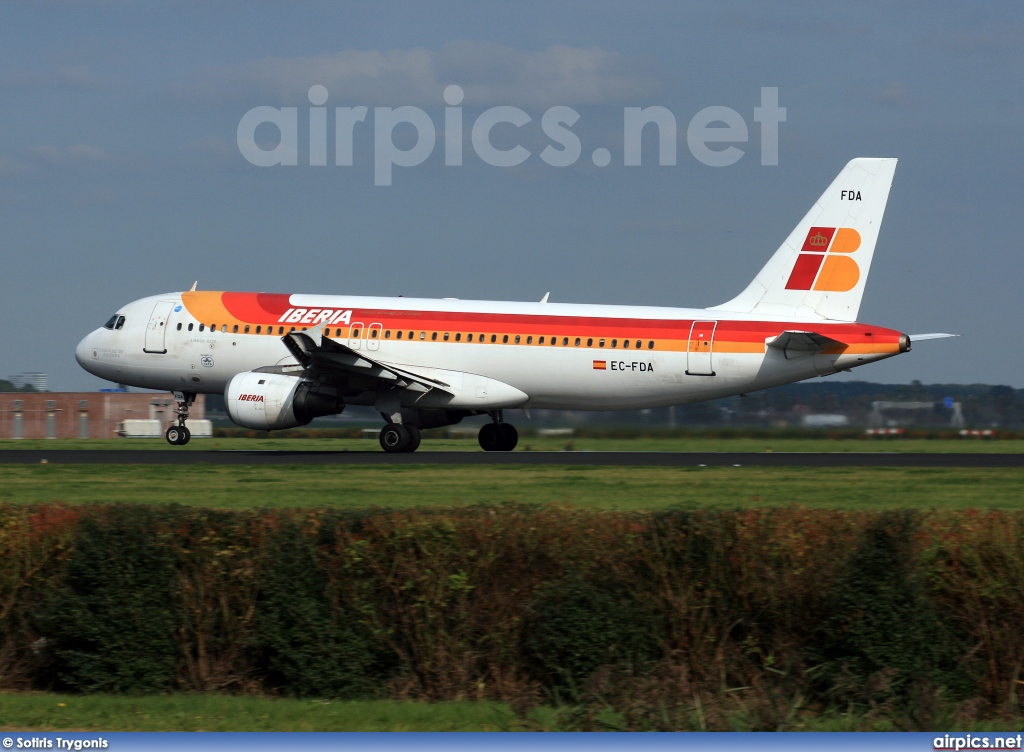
(398, 437)
(179, 435)
(498, 436)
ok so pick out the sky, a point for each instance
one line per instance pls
(122, 174)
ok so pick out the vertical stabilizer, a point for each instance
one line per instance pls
(820, 271)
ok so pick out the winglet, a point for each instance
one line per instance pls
(193, 287)
(545, 298)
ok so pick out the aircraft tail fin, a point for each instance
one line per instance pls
(820, 271)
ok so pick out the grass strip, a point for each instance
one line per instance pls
(612, 488)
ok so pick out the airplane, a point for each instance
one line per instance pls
(282, 360)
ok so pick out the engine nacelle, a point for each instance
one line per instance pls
(272, 401)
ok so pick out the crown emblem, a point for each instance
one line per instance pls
(818, 240)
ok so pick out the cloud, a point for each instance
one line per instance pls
(71, 155)
(489, 73)
(71, 77)
(894, 93)
(10, 167)
(969, 42)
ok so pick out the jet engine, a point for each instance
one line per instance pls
(272, 401)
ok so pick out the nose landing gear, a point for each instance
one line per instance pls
(498, 436)
(179, 435)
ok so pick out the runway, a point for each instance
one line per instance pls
(172, 456)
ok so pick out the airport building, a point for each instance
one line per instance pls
(93, 415)
(37, 381)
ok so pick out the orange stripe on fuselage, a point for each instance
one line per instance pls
(672, 335)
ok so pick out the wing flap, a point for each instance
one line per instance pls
(333, 356)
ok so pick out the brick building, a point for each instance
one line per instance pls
(84, 415)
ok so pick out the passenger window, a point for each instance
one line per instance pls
(625, 343)
(190, 327)
(600, 343)
(504, 339)
(202, 327)
(327, 332)
(540, 341)
(529, 340)
(446, 336)
(280, 330)
(458, 337)
(224, 328)
(615, 343)
(517, 339)
(638, 344)
(179, 327)
(234, 329)
(565, 341)
(259, 330)
(410, 335)
(650, 345)
(398, 335)
(494, 338)
(423, 335)
(387, 334)
(469, 337)
(434, 336)
(577, 342)
(246, 328)
(590, 342)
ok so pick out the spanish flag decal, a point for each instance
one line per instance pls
(600, 365)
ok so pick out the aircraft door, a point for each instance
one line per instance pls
(156, 330)
(700, 347)
(373, 336)
(355, 335)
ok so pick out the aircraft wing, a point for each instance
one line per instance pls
(803, 343)
(333, 358)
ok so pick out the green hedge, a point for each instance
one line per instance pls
(673, 619)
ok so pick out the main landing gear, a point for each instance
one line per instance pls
(498, 436)
(398, 437)
(179, 435)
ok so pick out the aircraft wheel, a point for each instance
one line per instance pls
(509, 436)
(186, 435)
(174, 435)
(394, 438)
(490, 437)
(415, 437)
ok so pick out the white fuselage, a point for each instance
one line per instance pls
(602, 358)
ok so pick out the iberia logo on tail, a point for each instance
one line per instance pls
(824, 263)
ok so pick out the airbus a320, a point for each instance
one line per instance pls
(281, 360)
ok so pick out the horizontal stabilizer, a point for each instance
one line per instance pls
(804, 342)
(922, 337)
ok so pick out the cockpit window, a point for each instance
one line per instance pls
(115, 322)
(120, 322)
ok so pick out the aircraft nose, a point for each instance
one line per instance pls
(83, 353)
